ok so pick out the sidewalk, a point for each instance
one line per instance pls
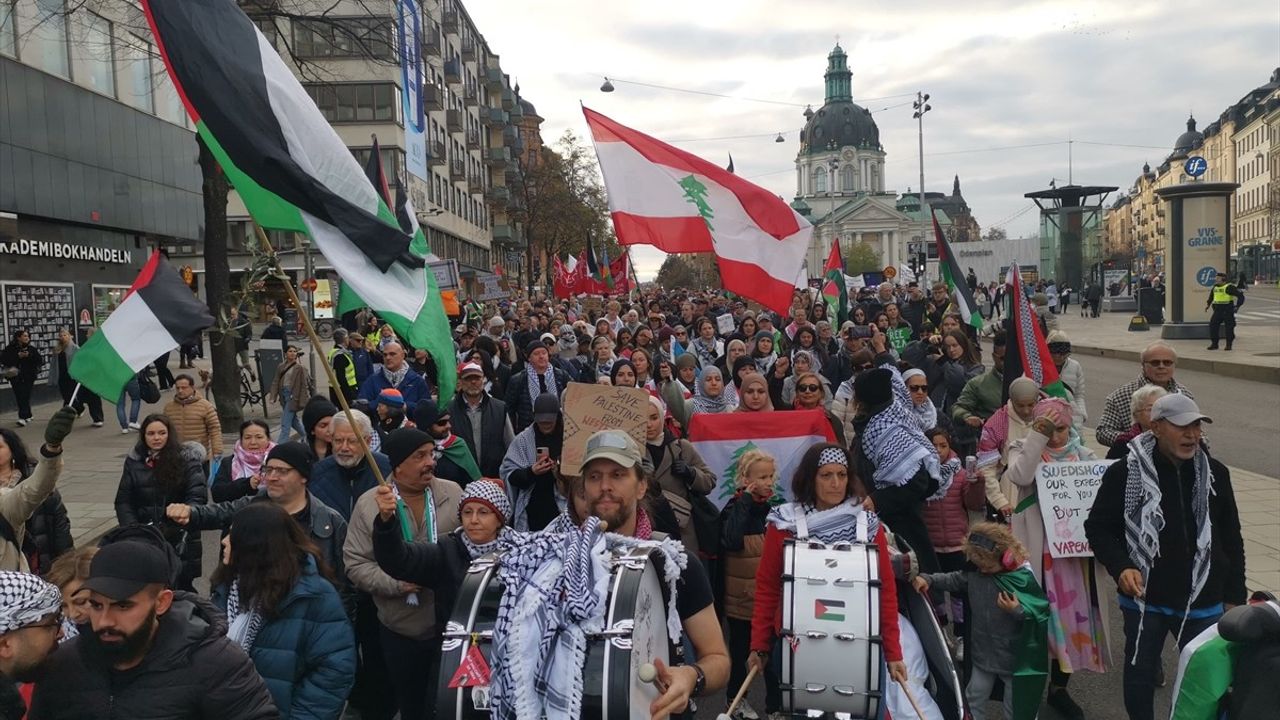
(1256, 355)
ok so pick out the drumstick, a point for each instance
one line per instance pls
(726, 715)
(911, 699)
(649, 674)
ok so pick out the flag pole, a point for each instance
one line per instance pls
(315, 347)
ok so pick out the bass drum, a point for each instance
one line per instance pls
(635, 633)
(474, 614)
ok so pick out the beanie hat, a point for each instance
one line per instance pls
(428, 413)
(873, 387)
(295, 454)
(317, 409)
(486, 493)
(534, 345)
(402, 443)
(392, 397)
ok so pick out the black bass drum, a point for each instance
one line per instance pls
(474, 614)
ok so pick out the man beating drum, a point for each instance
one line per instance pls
(613, 481)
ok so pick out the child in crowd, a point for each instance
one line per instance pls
(1010, 615)
(947, 518)
(743, 523)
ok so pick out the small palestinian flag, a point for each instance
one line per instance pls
(159, 313)
(833, 290)
(828, 610)
(961, 296)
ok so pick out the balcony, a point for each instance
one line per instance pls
(435, 154)
(469, 97)
(432, 97)
(509, 136)
(453, 71)
(497, 116)
(453, 120)
(450, 21)
(486, 118)
(498, 194)
(476, 184)
(469, 50)
(499, 157)
(517, 113)
(503, 233)
(431, 43)
(493, 76)
(457, 171)
(473, 139)
(508, 98)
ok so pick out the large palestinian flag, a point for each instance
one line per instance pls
(961, 296)
(291, 169)
(157, 314)
(722, 438)
(1026, 352)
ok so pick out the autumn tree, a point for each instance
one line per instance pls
(859, 257)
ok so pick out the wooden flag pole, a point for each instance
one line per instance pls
(315, 347)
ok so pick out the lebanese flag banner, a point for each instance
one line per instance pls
(562, 279)
(157, 314)
(662, 196)
(722, 438)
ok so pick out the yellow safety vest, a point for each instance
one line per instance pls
(351, 365)
(1221, 296)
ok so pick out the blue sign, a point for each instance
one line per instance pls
(1195, 166)
(1206, 276)
(411, 74)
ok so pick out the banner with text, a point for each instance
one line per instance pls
(591, 408)
(1066, 491)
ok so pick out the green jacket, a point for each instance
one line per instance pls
(981, 396)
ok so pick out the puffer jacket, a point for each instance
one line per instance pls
(18, 503)
(743, 522)
(48, 534)
(948, 517)
(306, 653)
(140, 499)
(196, 419)
(191, 671)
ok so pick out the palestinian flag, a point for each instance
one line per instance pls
(961, 296)
(291, 169)
(824, 609)
(593, 265)
(373, 170)
(834, 290)
(1206, 668)
(606, 272)
(157, 314)
(457, 450)
(721, 439)
(1026, 352)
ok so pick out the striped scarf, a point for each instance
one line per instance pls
(1144, 519)
(950, 468)
(835, 524)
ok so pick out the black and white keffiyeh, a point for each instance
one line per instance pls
(835, 524)
(950, 467)
(535, 388)
(24, 599)
(255, 617)
(894, 442)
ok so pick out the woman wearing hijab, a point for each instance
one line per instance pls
(678, 471)
(686, 374)
(240, 473)
(623, 374)
(733, 350)
(1007, 425)
(762, 351)
(802, 361)
(742, 367)
(807, 340)
(1077, 621)
(753, 394)
(711, 395)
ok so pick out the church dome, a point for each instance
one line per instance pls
(528, 108)
(1188, 140)
(839, 122)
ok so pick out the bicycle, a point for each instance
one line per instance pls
(249, 395)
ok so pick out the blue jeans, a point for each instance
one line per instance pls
(1140, 676)
(134, 394)
(290, 419)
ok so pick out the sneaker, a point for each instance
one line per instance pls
(125, 431)
(97, 423)
(745, 711)
(22, 422)
(1059, 700)
(134, 426)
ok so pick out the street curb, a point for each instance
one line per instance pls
(1241, 371)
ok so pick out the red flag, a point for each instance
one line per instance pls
(472, 671)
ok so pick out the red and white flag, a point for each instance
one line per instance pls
(662, 196)
(722, 438)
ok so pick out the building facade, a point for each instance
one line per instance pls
(97, 166)
(1253, 140)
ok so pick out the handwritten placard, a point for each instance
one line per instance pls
(590, 408)
(725, 324)
(1066, 491)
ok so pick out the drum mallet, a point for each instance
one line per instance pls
(751, 675)
(649, 674)
(911, 699)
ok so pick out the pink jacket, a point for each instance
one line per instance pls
(948, 518)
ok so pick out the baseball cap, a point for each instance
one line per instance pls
(547, 337)
(546, 407)
(497, 322)
(122, 569)
(468, 368)
(614, 445)
(1178, 409)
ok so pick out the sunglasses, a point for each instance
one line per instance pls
(867, 366)
(808, 388)
(1161, 363)
(918, 388)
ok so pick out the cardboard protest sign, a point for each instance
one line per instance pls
(725, 324)
(1065, 491)
(591, 408)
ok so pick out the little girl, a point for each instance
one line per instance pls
(1010, 616)
(743, 523)
(947, 518)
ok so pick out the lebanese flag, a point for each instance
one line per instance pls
(662, 196)
(292, 170)
(1026, 352)
(157, 314)
(722, 438)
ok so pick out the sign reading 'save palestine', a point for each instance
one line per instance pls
(590, 408)
(1065, 491)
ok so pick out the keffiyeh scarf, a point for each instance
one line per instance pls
(1143, 518)
(835, 524)
(949, 468)
(705, 350)
(535, 389)
(506, 536)
(725, 402)
(256, 620)
(926, 415)
(894, 442)
(24, 599)
(395, 378)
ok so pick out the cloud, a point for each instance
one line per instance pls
(1036, 72)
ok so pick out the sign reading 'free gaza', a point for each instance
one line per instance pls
(1065, 491)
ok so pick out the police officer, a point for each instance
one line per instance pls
(343, 363)
(1225, 298)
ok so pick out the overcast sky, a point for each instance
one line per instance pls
(1119, 71)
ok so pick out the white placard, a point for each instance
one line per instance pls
(1066, 491)
(725, 324)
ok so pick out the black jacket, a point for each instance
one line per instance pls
(191, 671)
(224, 487)
(48, 534)
(438, 566)
(493, 423)
(28, 367)
(520, 405)
(1169, 581)
(140, 499)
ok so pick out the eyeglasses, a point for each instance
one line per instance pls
(866, 366)
(1161, 363)
(275, 470)
(54, 621)
(808, 388)
(918, 388)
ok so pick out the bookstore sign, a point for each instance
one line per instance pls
(66, 251)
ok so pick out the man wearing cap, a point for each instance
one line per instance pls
(1158, 362)
(30, 625)
(454, 460)
(482, 420)
(537, 377)
(395, 374)
(528, 468)
(148, 651)
(285, 474)
(1165, 525)
(615, 477)
(408, 632)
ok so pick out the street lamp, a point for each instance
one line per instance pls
(607, 87)
(922, 106)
